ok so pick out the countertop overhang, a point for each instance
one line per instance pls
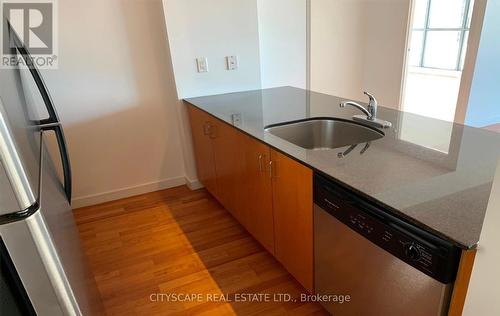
(435, 174)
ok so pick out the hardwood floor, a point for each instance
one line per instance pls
(179, 241)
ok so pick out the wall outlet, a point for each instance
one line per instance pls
(231, 62)
(202, 64)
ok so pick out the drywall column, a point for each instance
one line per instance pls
(359, 45)
(213, 29)
(283, 42)
(337, 47)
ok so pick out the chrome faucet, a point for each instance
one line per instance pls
(370, 111)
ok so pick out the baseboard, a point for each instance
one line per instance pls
(193, 184)
(128, 192)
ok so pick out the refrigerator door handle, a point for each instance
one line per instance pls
(52, 122)
(37, 77)
(63, 152)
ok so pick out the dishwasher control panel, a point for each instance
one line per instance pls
(428, 253)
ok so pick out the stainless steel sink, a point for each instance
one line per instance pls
(324, 133)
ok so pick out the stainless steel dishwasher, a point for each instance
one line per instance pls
(386, 265)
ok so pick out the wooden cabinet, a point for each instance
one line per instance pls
(229, 167)
(203, 150)
(259, 219)
(219, 159)
(293, 217)
(268, 192)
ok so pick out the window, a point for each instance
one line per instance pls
(439, 33)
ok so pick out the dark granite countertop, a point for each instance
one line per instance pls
(433, 173)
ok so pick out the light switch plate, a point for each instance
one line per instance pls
(231, 62)
(202, 64)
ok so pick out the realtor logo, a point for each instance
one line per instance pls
(34, 22)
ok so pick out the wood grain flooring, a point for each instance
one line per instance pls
(182, 242)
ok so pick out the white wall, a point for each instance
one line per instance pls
(359, 45)
(115, 93)
(385, 49)
(337, 52)
(213, 29)
(283, 42)
(484, 291)
(271, 47)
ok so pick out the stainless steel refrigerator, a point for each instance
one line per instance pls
(43, 270)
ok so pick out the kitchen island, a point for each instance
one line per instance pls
(433, 174)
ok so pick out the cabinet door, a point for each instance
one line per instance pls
(229, 164)
(202, 146)
(259, 219)
(293, 217)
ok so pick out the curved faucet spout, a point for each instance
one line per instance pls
(358, 106)
(370, 112)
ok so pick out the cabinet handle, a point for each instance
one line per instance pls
(260, 164)
(271, 169)
(206, 128)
